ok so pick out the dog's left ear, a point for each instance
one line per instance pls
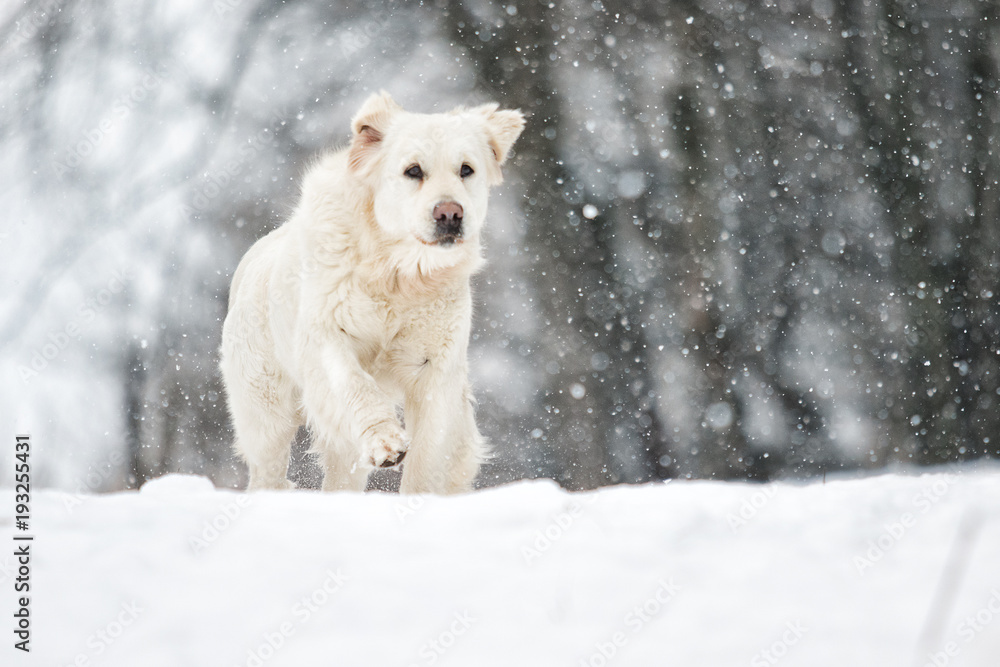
(504, 127)
(368, 126)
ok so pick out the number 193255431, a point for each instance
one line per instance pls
(22, 482)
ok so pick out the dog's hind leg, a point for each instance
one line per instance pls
(265, 442)
(262, 405)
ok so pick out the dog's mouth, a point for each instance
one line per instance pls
(443, 241)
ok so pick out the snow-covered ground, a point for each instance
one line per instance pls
(884, 571)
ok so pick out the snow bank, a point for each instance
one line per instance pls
(685, 573)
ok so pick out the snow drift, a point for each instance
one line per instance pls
(889, 570)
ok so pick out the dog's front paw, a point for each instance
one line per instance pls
(385, 446)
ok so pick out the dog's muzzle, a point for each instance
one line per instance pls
(447, 222)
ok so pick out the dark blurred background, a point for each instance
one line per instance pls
(737, 240)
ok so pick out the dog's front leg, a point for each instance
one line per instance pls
(447, 448)
(342, 401)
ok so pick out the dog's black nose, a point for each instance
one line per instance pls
(448, 220)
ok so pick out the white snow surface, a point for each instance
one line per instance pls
(882, 571)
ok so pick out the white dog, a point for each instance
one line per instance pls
(360, 304)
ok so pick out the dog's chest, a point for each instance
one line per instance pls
(398, 336)
(368, 321)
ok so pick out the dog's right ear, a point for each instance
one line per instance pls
(369, 126)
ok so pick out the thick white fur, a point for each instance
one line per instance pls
(350, 310)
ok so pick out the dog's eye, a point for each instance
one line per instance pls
(466, 171)
(414, 172)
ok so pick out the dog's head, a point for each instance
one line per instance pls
(430, 174)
